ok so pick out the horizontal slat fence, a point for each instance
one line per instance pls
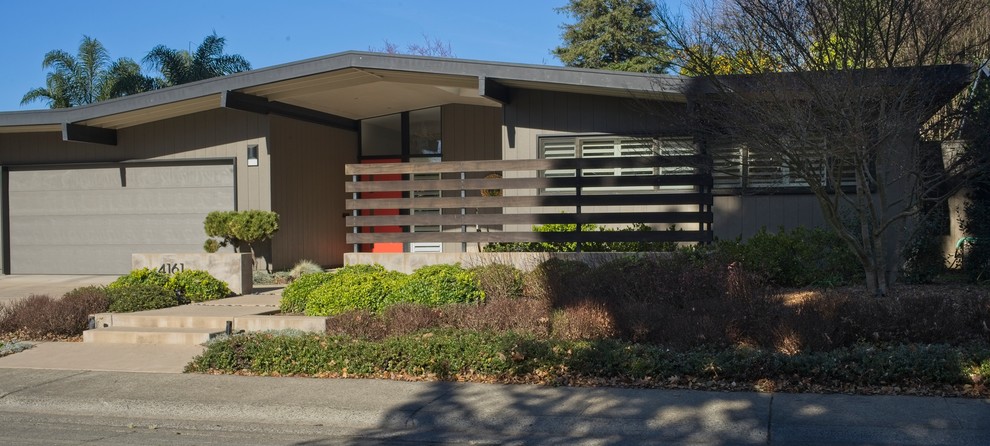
(519, 184)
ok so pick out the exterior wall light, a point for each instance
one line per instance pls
(252, 155)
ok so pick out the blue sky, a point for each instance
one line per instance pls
(270, 33)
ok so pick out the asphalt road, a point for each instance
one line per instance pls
(54, 407)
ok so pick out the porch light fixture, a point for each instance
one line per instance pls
(252, 155)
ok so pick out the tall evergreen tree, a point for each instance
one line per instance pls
(180, 66)
(621, 35)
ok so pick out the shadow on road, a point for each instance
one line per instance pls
(507, 414)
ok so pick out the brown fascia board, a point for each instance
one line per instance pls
(945, 80)
(534, 74)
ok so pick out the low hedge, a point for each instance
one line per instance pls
(355, 287)
(436, 285)
(296, 294)
(467, 355)
(198, 286)
(373, 288)
(191, 285)
(141, 297)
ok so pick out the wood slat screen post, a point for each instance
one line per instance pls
(525, 196)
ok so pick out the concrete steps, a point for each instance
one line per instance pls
(150, 335)
(197, 323)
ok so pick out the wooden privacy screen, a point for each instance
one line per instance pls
(520, 192)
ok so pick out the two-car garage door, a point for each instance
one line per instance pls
(90, 219)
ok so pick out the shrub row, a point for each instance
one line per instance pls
(373, 288)
(465, 355)
(795, 258)
(680, 301)
(585, 247)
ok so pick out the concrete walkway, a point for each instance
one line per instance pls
(354, 411)
(20, 286)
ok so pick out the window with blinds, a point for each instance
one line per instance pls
(739, 167)
(598, 147)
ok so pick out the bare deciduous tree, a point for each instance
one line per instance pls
(851, 97)
(431, 46)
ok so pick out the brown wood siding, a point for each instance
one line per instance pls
(471, 132)
(744, 215)
(308, 191)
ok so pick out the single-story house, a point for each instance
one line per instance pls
(84, 188)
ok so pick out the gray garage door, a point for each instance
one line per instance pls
(90, 220)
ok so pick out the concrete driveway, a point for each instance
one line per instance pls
(20, 286)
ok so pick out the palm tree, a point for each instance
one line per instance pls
(181, 66)
(89, 76)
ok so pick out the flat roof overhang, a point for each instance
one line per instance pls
(351, 86)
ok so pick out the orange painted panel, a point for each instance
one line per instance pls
(382, 247)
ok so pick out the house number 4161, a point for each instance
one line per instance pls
(172, 268)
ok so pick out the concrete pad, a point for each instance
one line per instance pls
(103, 357)
(206, 311)
(247, 300)
(15, 287)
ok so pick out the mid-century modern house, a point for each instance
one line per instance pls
(362, 152)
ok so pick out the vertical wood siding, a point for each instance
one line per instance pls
(308, 191)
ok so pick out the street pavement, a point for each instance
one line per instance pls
(118, 408)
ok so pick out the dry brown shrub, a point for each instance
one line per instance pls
(506, 314)
(40, 316)
(499, 281)
(520, 315)
(357, 323)
(582, 321)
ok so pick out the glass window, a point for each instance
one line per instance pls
(382, 136)
(609, 147)
(424, 132)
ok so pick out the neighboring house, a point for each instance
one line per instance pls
(85, 187)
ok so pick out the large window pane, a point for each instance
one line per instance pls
(424, 132)
(382, 136)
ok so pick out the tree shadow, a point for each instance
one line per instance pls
(446, 412)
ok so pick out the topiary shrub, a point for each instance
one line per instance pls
(499, 281)
(144, 276)
(140, 297)
(197, 286)
(355, 287)
(436, 285)
(296, 295)
(217, 224)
